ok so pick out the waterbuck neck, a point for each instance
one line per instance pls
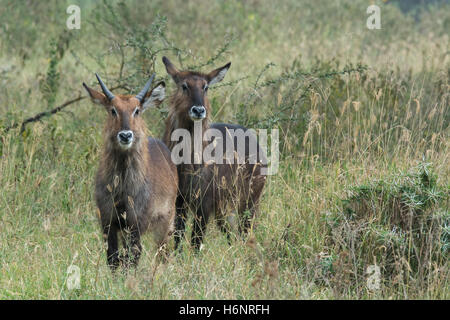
(131, 165)
(178, 120)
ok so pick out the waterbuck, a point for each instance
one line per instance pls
(136, 183)
(228, 190)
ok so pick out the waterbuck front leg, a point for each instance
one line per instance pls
(201, 218)
(224, 226)
(180, 222)
(133, 247)
(198, 232)
(112, 252)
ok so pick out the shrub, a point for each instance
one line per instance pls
(398, 224)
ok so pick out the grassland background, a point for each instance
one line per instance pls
(354, 107)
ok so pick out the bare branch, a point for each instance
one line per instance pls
(43, 114)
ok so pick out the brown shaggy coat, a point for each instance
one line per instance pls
(136, 188)
(220, 190)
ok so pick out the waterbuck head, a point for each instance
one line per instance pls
(192, 87)
(125, 127)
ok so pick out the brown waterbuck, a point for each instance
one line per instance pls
(136, 183)
(227, 190)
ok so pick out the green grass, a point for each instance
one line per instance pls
(360, 113)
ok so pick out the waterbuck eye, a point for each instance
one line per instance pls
(206, 88)
(114, 112)
(184, 86)
(137, 111)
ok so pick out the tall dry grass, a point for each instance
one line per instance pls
(363, 119)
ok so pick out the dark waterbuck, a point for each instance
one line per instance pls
(228, 190)
(136, 183)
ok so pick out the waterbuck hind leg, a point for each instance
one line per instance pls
(162, 231)
(112, 251)
(249, 206)
(247, 218)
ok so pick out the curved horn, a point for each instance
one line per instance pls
(108, 93)
(141, 95)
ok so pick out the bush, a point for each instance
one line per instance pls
(398, 224)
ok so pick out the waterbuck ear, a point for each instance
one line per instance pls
(96, 97)
(170, 68)
(155, 96)
(218, 74)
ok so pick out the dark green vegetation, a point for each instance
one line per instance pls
(364, 139)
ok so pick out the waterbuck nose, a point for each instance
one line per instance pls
(125, 136)
(198, 112)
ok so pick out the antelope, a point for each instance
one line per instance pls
(136, 183)
(210, 189)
